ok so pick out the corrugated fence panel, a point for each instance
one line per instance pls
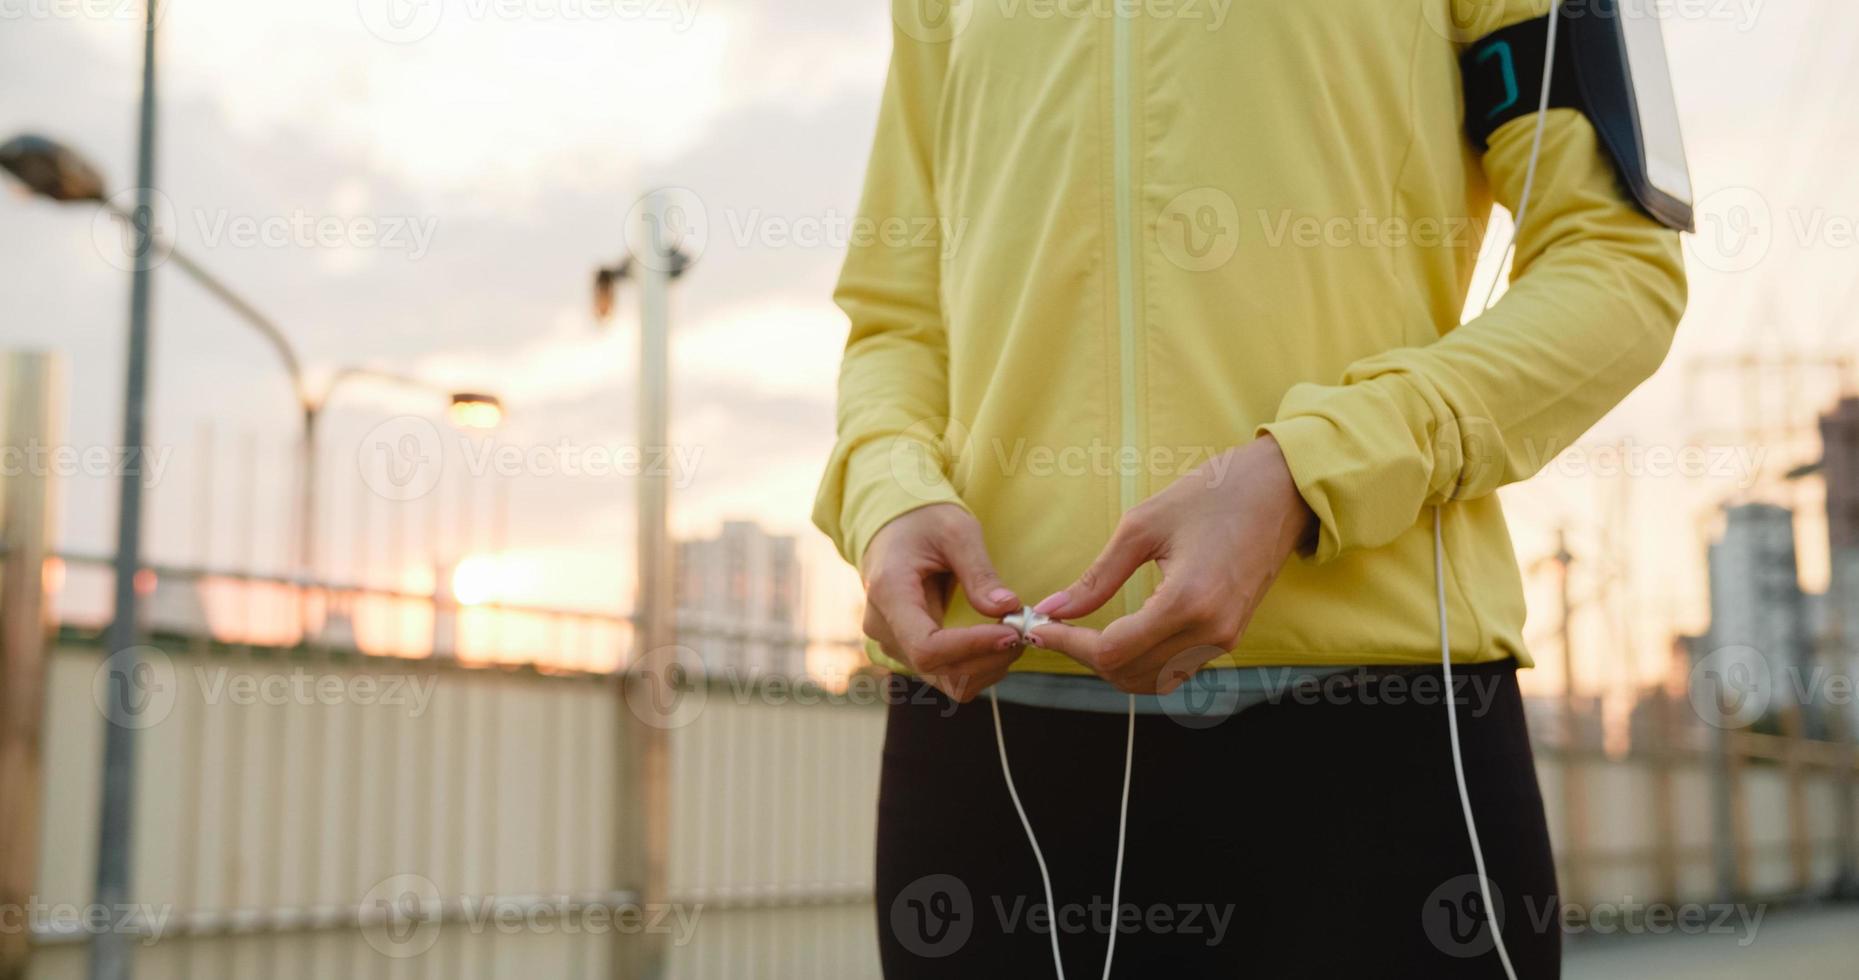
(290, 805)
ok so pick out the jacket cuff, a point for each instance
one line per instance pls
(883, 479)
(1355, 460)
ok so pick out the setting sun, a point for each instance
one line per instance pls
(479, 579)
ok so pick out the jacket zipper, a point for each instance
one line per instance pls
(1122, 57)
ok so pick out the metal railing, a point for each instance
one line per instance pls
(251, 608)
(291, 835)
(287, 783)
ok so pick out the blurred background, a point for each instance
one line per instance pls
(488, 369)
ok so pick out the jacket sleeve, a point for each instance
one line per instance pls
(1596, 293)
(894, 379)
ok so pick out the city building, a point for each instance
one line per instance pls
(1839, 437)
(1839, 467)
(739, 602)
(1758, 612)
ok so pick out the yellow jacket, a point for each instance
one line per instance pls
(1103, 241)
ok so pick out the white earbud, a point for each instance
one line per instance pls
(1026, 621)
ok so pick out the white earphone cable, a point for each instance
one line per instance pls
(1458, 758)
(1439, 534)
(1123, 826)
(1536, 152)
(1045, 876)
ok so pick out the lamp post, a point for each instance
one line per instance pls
(467, 409)
(663, 262)
(54, 171)
(110, 955)
(654, 263)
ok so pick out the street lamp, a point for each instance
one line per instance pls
(62, 176)
(653, 264)
(49, 169)
(466, 409)
(652, 605)
(475, 410)
(52, 170)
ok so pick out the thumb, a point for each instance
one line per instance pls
(1130, 548)
(967, 556)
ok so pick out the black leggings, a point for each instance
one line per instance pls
(1317, 835)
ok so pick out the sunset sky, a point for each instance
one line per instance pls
(505, 144)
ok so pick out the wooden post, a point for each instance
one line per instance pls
(1665, 811)
(1846, 777)
(1574, 789)
(32, 388)
(1800, 838)
(1737, 756)
(1840, 591)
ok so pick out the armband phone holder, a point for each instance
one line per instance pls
(1611, 65)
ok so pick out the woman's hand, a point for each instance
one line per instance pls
(909, 569)
(1220, 536)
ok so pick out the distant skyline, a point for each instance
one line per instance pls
(507, 147)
